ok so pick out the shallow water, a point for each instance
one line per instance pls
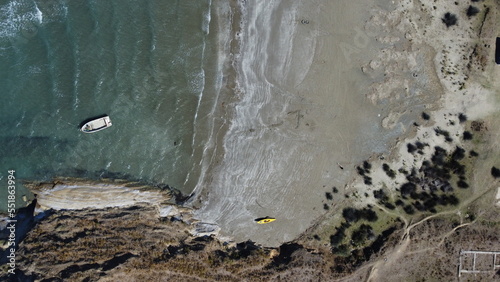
(141, 62)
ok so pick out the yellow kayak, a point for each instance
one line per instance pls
(265, 220)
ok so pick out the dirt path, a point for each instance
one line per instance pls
(392, 257)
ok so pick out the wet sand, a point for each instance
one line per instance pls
(299, 120)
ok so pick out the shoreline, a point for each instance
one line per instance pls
(401, 114)
(228, 48)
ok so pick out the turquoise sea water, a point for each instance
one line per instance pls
(141, 62)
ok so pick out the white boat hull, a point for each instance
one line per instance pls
(96, 125)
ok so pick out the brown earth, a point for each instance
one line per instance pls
(132, 245)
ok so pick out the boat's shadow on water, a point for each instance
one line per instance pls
(81, 124)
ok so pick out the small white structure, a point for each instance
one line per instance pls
(478, 262)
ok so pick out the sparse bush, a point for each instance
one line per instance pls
(449, 19)
(367, 180)
(350, 214)
(430, 203)
(462, 118)
(354, 215)
(380, 194)
(458, 154)
(391, 173)
(418, 205)
(389, 205)
(425, 116)
(367, 166)
(338, 237)
(409, 209)
(440, 131)
(467, 135)
(495, 172)
(360, 170)
(411, 148)
(453, 200)
(462, 184)
(407, 188)
(421, 145)
(342, 250)
(363, 233)
(439, 156)
(368, 214)
(328, 196)
(472, 11)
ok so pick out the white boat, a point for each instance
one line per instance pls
(96, 124)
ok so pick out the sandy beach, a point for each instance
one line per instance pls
(297, 121)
